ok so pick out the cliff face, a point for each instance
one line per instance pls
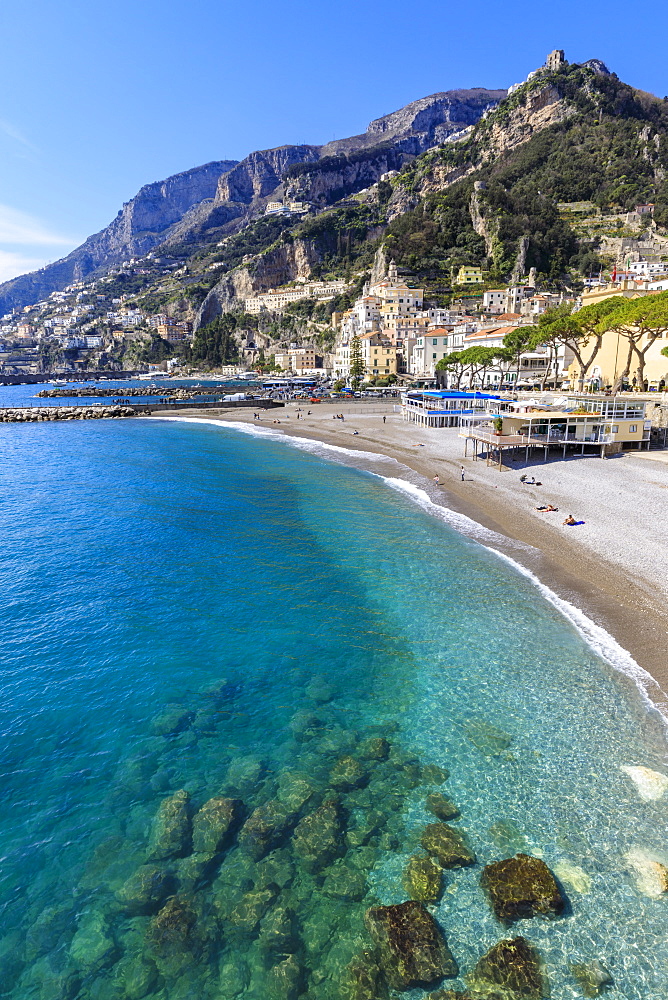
(224, 195)
(504, 130)
(140, 225)
(261, 173)
(274, 268)
(438, 116)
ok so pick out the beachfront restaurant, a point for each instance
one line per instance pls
(606, 428)
(443, 408)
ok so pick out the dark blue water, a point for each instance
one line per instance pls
(189, 609)
(27, 395)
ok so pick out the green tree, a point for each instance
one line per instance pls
(517, 341)
(640, 322)
(215, 344)
(357, 367)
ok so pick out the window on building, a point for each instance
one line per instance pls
(633, 428)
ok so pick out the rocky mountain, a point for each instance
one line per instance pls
(489, 196)
(142, 223)
(220, 197)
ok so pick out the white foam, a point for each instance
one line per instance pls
(604, 644)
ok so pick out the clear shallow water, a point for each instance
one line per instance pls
(272, 611)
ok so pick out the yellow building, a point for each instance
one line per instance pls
(607, 424)
(470, 276)
(611, 361)
(379, 355)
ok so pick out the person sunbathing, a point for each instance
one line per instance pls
(548, 507)
(569, 520)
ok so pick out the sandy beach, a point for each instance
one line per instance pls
(613, 566)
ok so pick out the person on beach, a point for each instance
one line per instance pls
(355, 432)
(384, 419)
(547, 507)
(570, 520)
(436, 480)
(462, 473)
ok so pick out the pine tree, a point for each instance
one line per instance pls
(357, 367)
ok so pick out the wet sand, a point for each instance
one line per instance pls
(614, 566)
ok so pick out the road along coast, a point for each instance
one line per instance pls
(612, 566)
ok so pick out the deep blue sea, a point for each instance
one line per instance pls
(192, 613)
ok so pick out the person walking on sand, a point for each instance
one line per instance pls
(462, 473)
(384, 419)
(436, 480)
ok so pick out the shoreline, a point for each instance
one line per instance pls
(627, 600)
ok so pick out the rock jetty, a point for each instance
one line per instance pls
(33, 414)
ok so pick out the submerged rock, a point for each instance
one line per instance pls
(572, 876)
(284, 981)
(244, 774)
(213, 823)
(347, 773)
(592, 977)
(363, 979)
(376, 748)
(512, 965)
(175, 719)
(53, 925)
(651, 785)
(317, 837)
(278, 931)
(294, 790)
(135, 977)
(447, 845)
(170, 832)
(413, 949)
(521, 887)
(432, 774)
(195, 869)
(265, 828)
(343, 882)
(488, 739)
(441, 807)
(320, 690)
(145, 890)
(93, 946)
(508, 837)
(172, 938)
(423, 879)
(250, 909)
(651, 875)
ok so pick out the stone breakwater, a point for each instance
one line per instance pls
(142, 390)
(32, 414)
(259, 882)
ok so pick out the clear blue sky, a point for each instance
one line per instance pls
(98, 99)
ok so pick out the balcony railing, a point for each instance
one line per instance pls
(522, 440)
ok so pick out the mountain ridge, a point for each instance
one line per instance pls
(227, 193)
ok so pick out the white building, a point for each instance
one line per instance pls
(428, 350)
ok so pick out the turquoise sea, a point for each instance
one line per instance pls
(192, 613)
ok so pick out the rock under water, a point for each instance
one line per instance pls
(413, 949)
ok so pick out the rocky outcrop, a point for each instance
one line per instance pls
(413, 949)
(141, 224)
(260, 174)
(447, 845)
(438, 116)
(513, 966)
(423, 879)
(285, 263)
(171, 832)
(521, 887)
(540, 109)
(441, 806)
